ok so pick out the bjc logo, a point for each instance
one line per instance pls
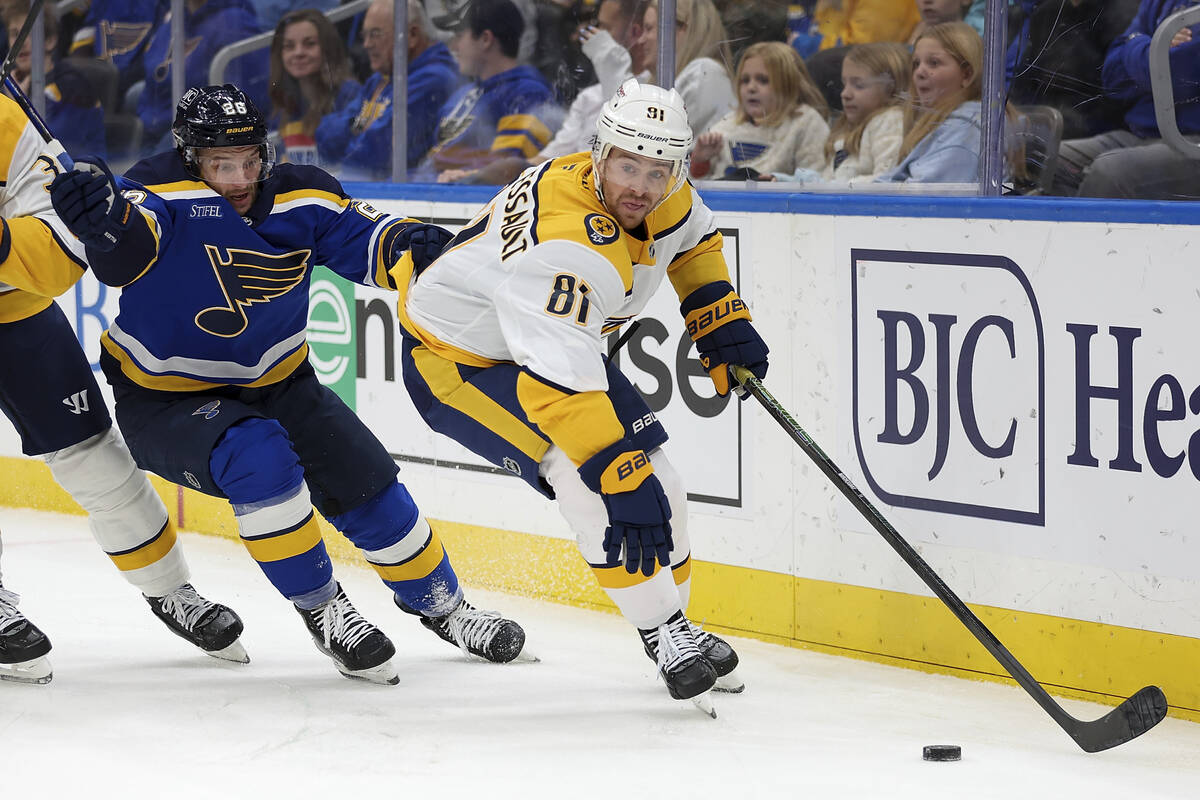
(949, 383)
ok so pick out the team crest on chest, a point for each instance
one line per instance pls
(247, 277)
(600, 229)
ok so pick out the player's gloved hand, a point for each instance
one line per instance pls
(719, 323)
(639, 527)
(425, 241)
(89, 202)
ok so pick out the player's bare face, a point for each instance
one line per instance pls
(232, 172)
(633, 185)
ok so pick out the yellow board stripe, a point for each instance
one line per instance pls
(448, 386)
(149, 553)
(617, 578)
(286, 544)
(682, 572)
(417, 566)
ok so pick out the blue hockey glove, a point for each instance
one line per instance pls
(719, 323)
(639, 527)
(425, 241)
(89, 202)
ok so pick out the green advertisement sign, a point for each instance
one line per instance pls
(331, 326)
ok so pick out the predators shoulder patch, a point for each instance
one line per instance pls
(600, 229)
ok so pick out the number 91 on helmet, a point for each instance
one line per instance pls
(648, 122)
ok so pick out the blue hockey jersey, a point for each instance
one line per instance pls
(219, 299)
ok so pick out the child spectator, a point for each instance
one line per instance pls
(779, 124)
(942, 123)
(865, 140)
(507, 110)
(310, 77)
(73, 112)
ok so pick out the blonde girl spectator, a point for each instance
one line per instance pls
(310, 77)
(702, 59)
(865, 140)
(942, 123)
(778, 126)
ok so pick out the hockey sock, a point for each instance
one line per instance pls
(126, 516)
(255, 466)
(396, 540)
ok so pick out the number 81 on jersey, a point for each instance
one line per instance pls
(568, 291)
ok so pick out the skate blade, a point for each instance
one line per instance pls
(525, 657)
(35, 671)
(703, 702)
(384, 674)
(729, 684)
(233, 652)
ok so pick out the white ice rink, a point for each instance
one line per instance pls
(135, 712)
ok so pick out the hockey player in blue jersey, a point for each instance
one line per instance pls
(212, 246)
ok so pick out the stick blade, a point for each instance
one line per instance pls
(1133, 717)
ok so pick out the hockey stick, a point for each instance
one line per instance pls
(1133, 717)
(18, 94)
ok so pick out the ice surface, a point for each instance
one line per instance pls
(135, 710)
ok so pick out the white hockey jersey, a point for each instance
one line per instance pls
(39, 257)
(542, 273)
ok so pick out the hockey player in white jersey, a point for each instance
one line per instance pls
(504, 352)
(49, 393)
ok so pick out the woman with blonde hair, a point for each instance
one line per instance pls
(310, 77)
(702, 59)
(778, 126)
(865, 140)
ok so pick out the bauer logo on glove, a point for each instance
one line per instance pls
(719, 322)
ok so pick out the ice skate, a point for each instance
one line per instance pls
(485, 634)
(23, 646)
(682, 666)
(212, 627)
(358, 649)
(719, 653)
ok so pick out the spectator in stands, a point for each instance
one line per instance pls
(270, 12)
(1135, 161)
(779, 124)
(935, 12)
(702, 59)
(555, 51)
(865, 139)
(73, 111)
(942, 122)
(210, 26)
(841, 23)
(609, 42)
(310, 77)
(845, 22)
(508, 109)
(359, 136)
(118, 31)
(1056, 56)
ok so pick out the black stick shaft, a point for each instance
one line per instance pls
(1132, 718)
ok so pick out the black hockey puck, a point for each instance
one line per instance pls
(941, 752)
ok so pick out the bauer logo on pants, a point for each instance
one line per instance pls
(949, 383)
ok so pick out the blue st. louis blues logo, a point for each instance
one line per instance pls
(247, 277)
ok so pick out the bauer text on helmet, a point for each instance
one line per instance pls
(647, 121)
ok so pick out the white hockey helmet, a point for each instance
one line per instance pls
(647, 120)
